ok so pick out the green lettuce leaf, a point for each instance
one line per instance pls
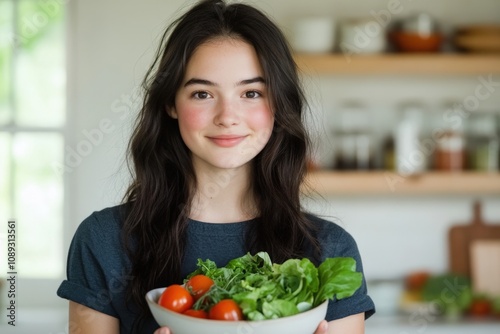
(279, 308)
(338, 279)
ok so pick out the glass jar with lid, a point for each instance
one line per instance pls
(482, 142)
(352, 137)
(450, 152)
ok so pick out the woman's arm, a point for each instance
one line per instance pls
(84, 320)
(353, 324)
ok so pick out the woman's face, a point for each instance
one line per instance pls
(223, 105)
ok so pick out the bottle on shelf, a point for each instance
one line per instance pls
(410, 158)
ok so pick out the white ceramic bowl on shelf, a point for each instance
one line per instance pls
(302, 323)
(313, 35)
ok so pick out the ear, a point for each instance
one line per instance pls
(171, 112)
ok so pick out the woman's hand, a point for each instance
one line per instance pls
(322, 328)
(162, 330)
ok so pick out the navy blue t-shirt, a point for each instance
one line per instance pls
(98, 270)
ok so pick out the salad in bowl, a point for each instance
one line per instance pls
(253, 295)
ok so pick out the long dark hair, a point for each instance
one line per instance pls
(159, 196)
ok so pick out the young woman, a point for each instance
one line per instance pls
(219, 156)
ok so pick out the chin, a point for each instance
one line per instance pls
(230, 163)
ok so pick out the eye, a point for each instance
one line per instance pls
(200, 95)
(252, 94)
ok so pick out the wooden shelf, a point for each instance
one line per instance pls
(386, 182)
(390, 183)
(400, 64)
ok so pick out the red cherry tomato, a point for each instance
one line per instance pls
(416, 280)
(197, 313)
(176, 298)
(226, 309)
(480, 307)
(198, 285)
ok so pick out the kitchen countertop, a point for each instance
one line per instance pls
(43, 321)
(406, 324)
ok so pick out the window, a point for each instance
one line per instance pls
(32, 124)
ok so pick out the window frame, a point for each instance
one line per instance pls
(38, 293)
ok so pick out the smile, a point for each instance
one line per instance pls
(226, 140)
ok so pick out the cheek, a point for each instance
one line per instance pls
(192, 119)
(262, 122)
(262, 119)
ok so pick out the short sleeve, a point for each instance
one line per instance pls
(88, 268)
(337, 242)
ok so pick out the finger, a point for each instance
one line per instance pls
(322, 328)
(162, 330)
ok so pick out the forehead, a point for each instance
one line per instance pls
(224, 57)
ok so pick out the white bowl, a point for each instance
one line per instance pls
(302, 323)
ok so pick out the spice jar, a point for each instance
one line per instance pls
(450, 152)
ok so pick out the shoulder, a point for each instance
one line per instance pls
(333, 238)
(323, 225)
(106, 222)
(100, 233)
(97, 242)
(335, 241)
(97, 266)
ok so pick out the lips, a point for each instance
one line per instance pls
(226, 140)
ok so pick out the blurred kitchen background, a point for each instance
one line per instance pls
(404, 112)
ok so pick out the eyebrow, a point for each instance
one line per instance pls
(197, 81)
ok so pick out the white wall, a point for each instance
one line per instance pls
(398, 235)
(111, 45)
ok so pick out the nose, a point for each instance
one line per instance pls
(226, 114)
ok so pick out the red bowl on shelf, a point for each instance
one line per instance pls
(412, 42)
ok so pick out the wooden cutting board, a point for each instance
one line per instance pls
(463, 236)
(485, 266)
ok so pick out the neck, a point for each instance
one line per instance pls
(223, 196)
